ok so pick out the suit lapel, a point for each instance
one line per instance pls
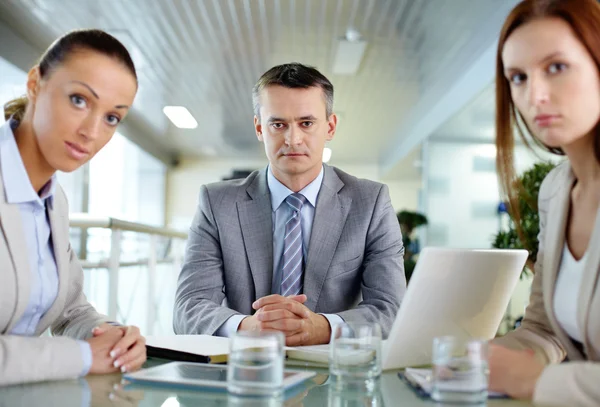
(59, 238)
(556, 229)
(12, 228)
(256, 222)
(589, 283)
(328, 223)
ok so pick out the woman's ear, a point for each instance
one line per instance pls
(33, 83)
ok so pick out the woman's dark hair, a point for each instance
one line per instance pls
(62, 49)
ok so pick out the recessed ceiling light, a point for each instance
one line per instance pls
(180, 116)
(326, 154)
(349, 53)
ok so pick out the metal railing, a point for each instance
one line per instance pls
(111, 257)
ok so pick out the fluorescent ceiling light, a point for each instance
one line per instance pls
(171, 402)
(326, 154)
(349, 54)
(180, 116)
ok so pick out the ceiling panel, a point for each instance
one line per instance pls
(207, 55)
(474, 123)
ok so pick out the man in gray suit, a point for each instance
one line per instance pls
(299, 245)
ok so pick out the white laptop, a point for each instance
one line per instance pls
(458, 292)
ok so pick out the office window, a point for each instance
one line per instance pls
(127, 183)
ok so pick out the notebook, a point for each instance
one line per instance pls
(188, 348)
(214, 349)
(420, 381)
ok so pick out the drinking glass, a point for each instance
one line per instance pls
(355, 354)
(460, 370)
(255, 365)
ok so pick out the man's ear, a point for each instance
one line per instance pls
(33, 83)
(258, 128)
(332, 125)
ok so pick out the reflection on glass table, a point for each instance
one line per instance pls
(108, 390)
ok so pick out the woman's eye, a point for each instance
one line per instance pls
(113, 120)
(78, 101)
(557, 67)
(517, 78)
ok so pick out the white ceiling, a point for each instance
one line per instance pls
(207, 55)
(474, 123)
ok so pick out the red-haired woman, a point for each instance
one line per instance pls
(548, 87)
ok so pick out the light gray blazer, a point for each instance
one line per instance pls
(29, 359)
(354, 266)
(578, 381)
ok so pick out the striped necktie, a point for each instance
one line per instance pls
(292, 258)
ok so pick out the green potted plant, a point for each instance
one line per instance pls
(409, 222)
(529, 183)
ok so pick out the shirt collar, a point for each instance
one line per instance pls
(17, 186)
(279, 191)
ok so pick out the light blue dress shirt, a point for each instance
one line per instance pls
(36, 227)
(281, 214)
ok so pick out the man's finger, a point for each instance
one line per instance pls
(289, 305)
(301, 298)
(298, 339)
(269, 299)
(284, 325)
(274, 315)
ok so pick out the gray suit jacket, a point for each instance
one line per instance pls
(30, 359)
(354, 266)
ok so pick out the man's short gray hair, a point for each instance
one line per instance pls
(293, 75)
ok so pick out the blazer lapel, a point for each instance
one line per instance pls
(59, 237)
(556, 228)
(256, 222)
(328, 223)
(589, 283)
(12, 227)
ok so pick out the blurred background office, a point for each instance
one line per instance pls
(413, 92)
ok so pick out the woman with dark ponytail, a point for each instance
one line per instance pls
(77, 94)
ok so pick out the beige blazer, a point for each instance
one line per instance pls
(576, 382)
(29, 359)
